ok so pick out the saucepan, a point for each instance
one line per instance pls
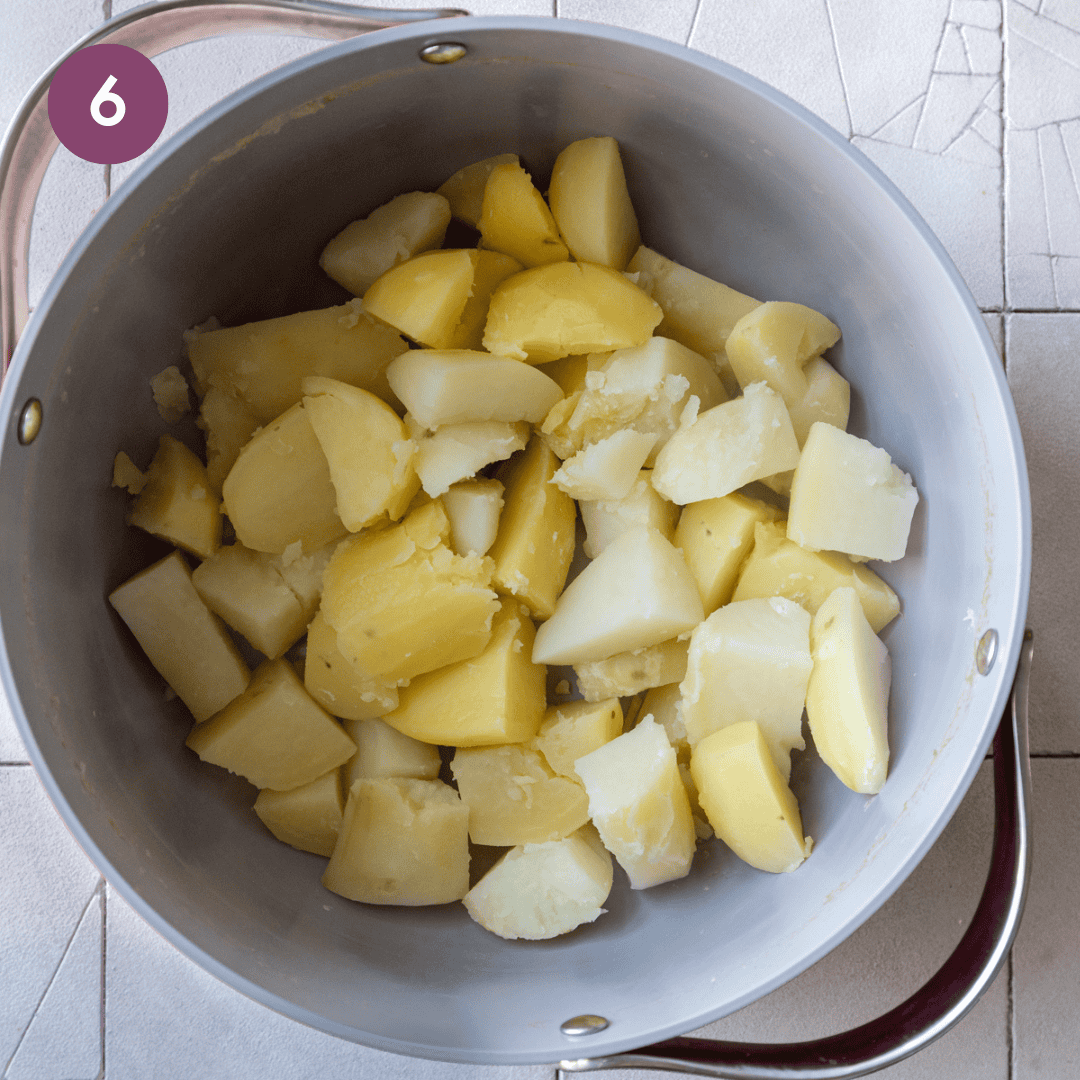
(227, 219)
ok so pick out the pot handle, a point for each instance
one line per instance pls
(29, 142)
(932, 1010)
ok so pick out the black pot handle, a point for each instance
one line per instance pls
(931, 1011)
(29, 141)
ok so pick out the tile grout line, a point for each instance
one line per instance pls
(840, 69)
(104, 957)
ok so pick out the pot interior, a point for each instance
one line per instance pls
(228, 219)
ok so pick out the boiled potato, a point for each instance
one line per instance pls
(848, 496)
(473, 507)
(187, 644)
(228, 424)
(336, 685)
(307, 817)
(639, 805)
(628, 673)
(390, 234)
(848, 696)
(605, 519)
(458, 451)
(465, 189)
(382, 751)
(273, 734)
(491, 270)
(575, 729)
(403, 842)
(607, 468)
(591, 205)
(515, 220)
(538, 891)
(748, 803)
(553, 311)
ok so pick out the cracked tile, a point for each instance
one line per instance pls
(205, 1029)
(1059, 11)
(44, 890)
(984, 49)
(64, 1037)
(1030, 278)
(951, 105)
(952, 57)
(1044, 69)
(984, 13)
(671, 20)
(1042, 351)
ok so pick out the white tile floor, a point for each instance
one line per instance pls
(973, 108)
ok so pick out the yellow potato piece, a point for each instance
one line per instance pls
(777, 566)
(187, 644)
(465, 189)
(591, 205)
(228, 424)
(575, 729)
(280, 492)
(307, 817)
(535, 541)
(403, 842)
(747, 802)
(553, 311)
(336, 685)
(262, 364)
(628, 673)
(273, 734)
(715, 536)
(425, 297)
(515, 220)
(382, 752)
(176, 503)
(606, 519)
(494, 697)
(405, 226)
(515, 798)
(367, 448)
(492, 269)
(403, 603)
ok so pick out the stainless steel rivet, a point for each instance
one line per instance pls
(445, 52)
(586, 1024)
(30, 421)
(986, 652)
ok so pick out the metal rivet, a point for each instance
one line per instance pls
(445, 52)
(986, 652)
(586, 1024)
(30, 421)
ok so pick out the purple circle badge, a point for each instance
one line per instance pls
(108, 104)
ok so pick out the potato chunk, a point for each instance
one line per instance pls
(491, 270)
(494, 697)
(552, 311)
(747, 801)
(848, 496)
(458, 451)
(848, 697)
(280, 492)
(228, 424)
(535, 541)
(639, 805)
(465, 189)
(608, 468)
(473, 507)
(381, 751)
(750, 661)
(591, 204)
(367, 448)
(262, 364)
(515, 220)
(176, 503)
(336, 685)
(515, 798)
(403, 842)
(636, 593)
(727, 447)
(715, 537)
(606, 519)
(187, 644)
(628, 673)
(443, 387)
(539, 891)
(273, 734)
(778, 566)
(575, 729)
(425, 297)
(403, 603)
(244, 589)
(307, 817)
(390, 234)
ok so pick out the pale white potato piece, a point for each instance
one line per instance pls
(573, 730)
(539, 891)
(605, 469)
(605, 519)
(628, 673)
(639, 805)
(637, 593)
(390, 234)
(848, 697)
(382, 751)
(848, 496)
(458, 386)
(726, 447)
(750, 660)
(458, 451)
(473, 507)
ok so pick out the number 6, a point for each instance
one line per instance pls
(103, 95)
